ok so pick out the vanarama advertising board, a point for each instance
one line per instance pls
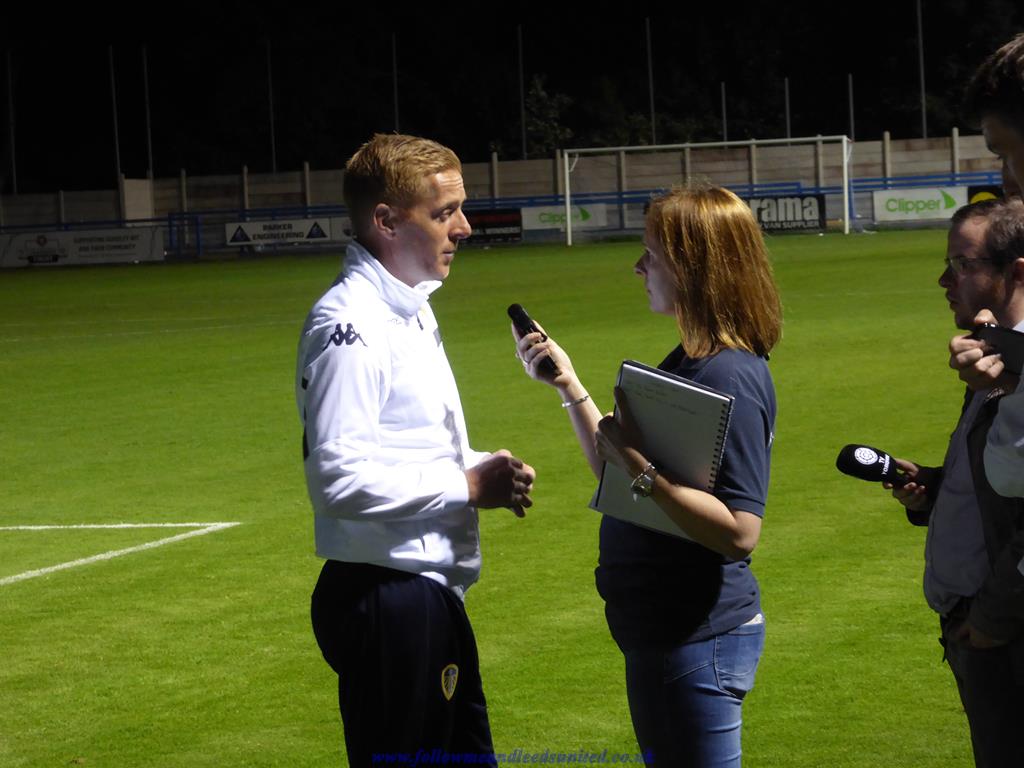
(789, 213)
(925, 204)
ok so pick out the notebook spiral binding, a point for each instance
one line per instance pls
(716, 464)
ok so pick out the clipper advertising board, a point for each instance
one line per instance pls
(918, 204)
(553, 217)
(789, 213)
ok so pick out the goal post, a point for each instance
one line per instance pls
(786, 165)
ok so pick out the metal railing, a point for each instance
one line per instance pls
(193, 233)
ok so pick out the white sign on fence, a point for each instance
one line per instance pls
(279, 232)
(553, 217)
(927, 204)
(126, 245)
(341, 228)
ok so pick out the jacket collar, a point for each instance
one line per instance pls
(403, 300)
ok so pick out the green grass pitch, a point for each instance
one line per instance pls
(163, 394)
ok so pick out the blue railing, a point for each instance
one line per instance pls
(77, 226)
(862, 184)
(630, 196)
(185, 230)
(979, 178)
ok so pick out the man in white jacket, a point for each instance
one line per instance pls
(394, 485)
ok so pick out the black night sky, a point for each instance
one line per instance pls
(458, 79)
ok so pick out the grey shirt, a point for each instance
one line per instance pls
(956, 562)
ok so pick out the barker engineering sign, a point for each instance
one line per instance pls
(789, 213)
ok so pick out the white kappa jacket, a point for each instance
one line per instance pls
(385, 438)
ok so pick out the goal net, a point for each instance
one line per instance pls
(797, 184)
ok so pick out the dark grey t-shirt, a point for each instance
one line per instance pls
(660, 590)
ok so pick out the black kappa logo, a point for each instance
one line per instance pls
(348, 337)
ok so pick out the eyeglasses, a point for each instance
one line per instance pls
(958, 264)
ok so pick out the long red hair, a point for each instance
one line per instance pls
(726, 297)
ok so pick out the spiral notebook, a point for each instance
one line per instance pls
(684, 425)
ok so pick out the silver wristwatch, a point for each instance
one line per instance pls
(643, 484)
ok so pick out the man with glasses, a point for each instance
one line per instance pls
(975, 536)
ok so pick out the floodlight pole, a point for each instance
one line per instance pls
(785, 88)
(113, 102)
(270, 104)
(650, 78)
(849, 90)
(522, 88)
(725, 124)
(394, 75)
(10, 122)
(149, 130)
(920, 64)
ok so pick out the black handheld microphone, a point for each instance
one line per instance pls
(524, 325)
(869, 464)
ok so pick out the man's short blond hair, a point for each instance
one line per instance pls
(392, 168)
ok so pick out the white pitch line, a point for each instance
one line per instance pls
(152, 332)
(81, 526)
(123, 321)
(209, 528)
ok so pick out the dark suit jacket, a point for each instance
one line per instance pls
(997, 609)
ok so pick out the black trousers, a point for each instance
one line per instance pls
(993, 701)
(409, 683)
(992, 696)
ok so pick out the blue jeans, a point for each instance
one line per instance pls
(686, 702)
